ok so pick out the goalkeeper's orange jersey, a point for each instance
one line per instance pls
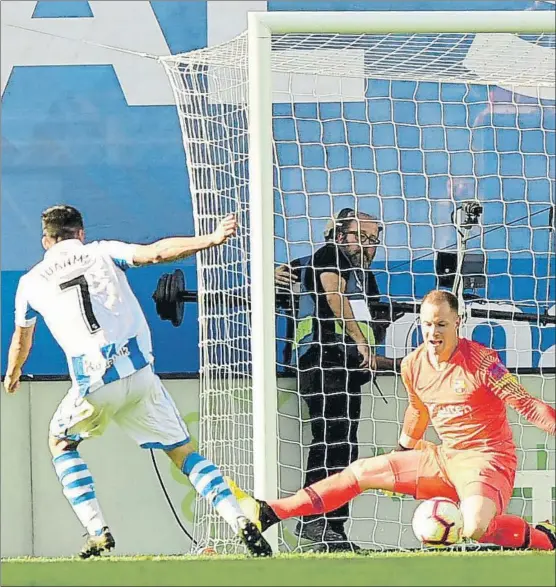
(466, 402)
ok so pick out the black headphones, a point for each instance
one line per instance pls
(345, 213)
(338, 223)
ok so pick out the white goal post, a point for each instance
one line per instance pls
(225, 100)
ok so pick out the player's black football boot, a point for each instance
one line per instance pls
(251, 536)
(97, 544)
(257, 510)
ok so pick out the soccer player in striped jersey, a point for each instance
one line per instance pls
(463, 389)
(82, 292)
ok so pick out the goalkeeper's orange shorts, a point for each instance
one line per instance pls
(432, 471)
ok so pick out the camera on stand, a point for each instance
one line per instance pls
(470, 213)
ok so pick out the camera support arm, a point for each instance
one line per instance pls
(467, 216)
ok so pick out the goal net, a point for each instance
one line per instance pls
(407, 128)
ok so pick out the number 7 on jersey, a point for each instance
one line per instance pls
(84, 301)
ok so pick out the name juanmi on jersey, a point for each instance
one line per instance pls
(71, 261)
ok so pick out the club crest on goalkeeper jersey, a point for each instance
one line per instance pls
(83, 294)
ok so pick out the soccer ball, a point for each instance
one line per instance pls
(438, 522)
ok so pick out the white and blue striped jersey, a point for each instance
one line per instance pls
(82, 293)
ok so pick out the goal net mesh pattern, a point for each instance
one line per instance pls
(404, 127)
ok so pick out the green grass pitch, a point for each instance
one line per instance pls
(428, 569)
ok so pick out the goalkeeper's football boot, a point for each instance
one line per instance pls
(550, 530)
(257, 510)
(97, 544)
(251, 536)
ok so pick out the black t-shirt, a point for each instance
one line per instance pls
(330, 259)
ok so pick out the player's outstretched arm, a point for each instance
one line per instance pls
(416, 418)
(506, 386)
(20, 347)
(171, 249)
(22, 339)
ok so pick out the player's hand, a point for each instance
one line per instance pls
(285, 276)
(226, 229)
(12, 380)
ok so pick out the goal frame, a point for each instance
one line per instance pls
(261, 26)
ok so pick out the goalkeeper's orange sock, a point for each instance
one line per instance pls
(323, 496)
(514, 532)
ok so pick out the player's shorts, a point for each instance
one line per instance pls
(139, 404)
(431, 471)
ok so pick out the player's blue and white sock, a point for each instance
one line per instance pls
(79, 489)
(208, 481)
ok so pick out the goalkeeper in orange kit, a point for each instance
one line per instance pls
(463, 389)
